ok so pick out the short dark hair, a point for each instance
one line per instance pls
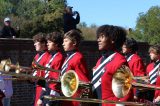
(74, 35)
(40, 37)
(116, 33)
(131, 44)
(155, 49)
(55, 37)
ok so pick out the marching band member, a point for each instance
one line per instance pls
(157, 92)
(152, 69)
(152, 72)
(55, 61)
(41, 58)
(74, 60)
(136, 65)
(110, 39)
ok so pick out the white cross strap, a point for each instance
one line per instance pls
(128, 59)
(153, 74)
(96, 81)
(49, 65)
(64, 66)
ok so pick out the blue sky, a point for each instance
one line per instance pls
(115, 12)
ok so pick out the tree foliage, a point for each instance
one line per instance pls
(148, 26)
(33, 16)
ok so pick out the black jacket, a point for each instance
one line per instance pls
(70, 22)
(7, 32)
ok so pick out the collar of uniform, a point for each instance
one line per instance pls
(41, 52)
(70, 52)
(106, 53)
(127, 55)
(53, 52)
(157, 62)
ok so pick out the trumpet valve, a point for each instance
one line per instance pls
(7, 68)
(17, 71)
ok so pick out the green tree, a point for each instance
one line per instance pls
(147, 28)
(33, 16)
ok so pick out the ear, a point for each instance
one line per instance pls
(112, 42)
(74, 43)
(56, 45)
(44, 44)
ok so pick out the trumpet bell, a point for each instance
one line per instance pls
(122, 82)
(69, 83)
(5, 65)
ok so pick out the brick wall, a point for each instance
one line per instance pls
(22, 50)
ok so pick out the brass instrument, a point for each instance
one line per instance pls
(123, 80)
(35, 65)
(70, 83)
(21, 76)
(91, 100)
(5, 67)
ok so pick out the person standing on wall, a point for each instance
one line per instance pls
(7, 31)
(71, 19)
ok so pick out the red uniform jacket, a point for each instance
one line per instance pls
(150, 67)
(55, 64)
(157, 92)
(42, 62)
(77, 64)
(136, 65)
(106, 80)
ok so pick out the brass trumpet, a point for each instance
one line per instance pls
(21, 76)
(6, 66)
(123, 81)
(35, 65)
